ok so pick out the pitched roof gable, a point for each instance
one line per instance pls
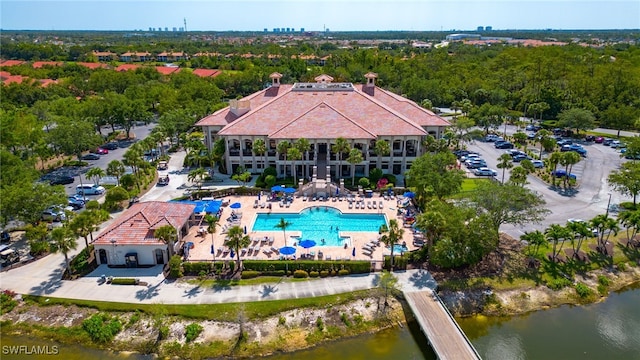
(322, 121)
(137, 224)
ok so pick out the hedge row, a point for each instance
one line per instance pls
(195, 268)
(399, 262)
(353, 267)
(124, 281)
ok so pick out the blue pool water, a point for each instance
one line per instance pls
(399, 249)
(321, 222)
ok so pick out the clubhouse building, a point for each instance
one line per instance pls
(322, 112)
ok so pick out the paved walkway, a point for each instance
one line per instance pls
(24, 280)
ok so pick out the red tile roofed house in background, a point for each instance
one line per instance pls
(131, 236)
(93, 66)
(127, 67)
(167, 70)
(39, 64)
(105, 55)
(135, 56)
(8, 63)
(207, 72)
(171, 56)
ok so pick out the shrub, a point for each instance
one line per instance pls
(324, 273)
(319, 323)
(314, 274)
(558, 283)
(124, 281)
(603, 280)
(364, 182)
(270, 180)
(390, 178)
(175, 267)
(250, 274)
(300, 274)
(163, 332)
(583, 290)
(345, 319)
(7, 303)
(274, 273)
(627, 205)
(375, 175)
(102, 328)
(192, 331)
(282, 321)
(343, 272)
(134, 318)
(602, 290)
(270, 171)
(195, 268)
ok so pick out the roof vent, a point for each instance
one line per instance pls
(239, 107)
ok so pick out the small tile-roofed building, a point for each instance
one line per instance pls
(39, 64)
(130, 239)
(127, 67)
(9, 63)
(207, 72)
(171, 56)
(105, 55)
(93, 66)
(321, 112)
(135, 56)
(167, 70)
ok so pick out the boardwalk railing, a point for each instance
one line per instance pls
(457, 326)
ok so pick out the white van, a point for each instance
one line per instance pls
(90, 189)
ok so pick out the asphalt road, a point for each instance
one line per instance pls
(592, 193)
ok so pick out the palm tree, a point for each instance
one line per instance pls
(115, 168)
(86, 223)
(519, 176)
(168, 235)
(567, 160)
(197, 175)
(504, 163)
(535, 239)
(303, 146)
(63, 241)
(260, 149)
(391, 235)
(355, 157)
(95, 173)
(555, 234)
(631, 221)
(580, 232)
(282, 149)
(294, 154)
(433, 223)
(554, 160)
(283, 224)
(381, 148)
(604, 226)
(236, 239)
(341, 146)
(542, 135)
(212, 222)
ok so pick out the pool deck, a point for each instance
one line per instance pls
(202, 244)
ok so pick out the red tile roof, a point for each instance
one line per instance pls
(167, 70)
(127, 67)
(103, 53)
(18, 79)
(137, 224)
(39, 64)
(11, 62)
(207, 72)
(358, 112)
(93, 66)
(47, 82)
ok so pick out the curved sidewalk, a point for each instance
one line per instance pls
(24, 281)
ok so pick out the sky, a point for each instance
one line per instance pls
(315, 15)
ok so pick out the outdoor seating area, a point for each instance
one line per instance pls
(273, 245)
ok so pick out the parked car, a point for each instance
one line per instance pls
(163, 165)
(564, 142)
(599, 140)
(91, 156)
(110, 145)
(538, 164)
(75, 203)
(99, 151)
(574, 147)
(492, 138)
(485, 171)
(607, 141)
(616, 144)
(530, 127)
(589, 138)
(56, 213)
(476, 164)
(520, 157)
(89, 189)
(503, 145)
(61, 180)
(470, 156)
(531, 136)
(563, 173)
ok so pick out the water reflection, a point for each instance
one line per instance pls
(610, 330)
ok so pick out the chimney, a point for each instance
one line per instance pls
(369, 87)
(275, 79)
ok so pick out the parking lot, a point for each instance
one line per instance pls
(592, 191)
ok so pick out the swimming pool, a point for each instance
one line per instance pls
(321, 222)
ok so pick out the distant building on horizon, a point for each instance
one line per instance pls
(488, 28)
(480, 28)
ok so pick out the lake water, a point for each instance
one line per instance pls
(607, 330)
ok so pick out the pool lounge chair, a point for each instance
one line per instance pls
(255, 204)
(275, 250)
(263, 205)
(287, 204)
(350, 205)
(367, 252)
(304, 197)
(373, 205)
(380, 205)
(314, 198)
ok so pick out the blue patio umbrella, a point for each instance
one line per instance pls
(337, 191)
(245, 229)
(307, 243)
(353, 253)
(289, 190)
(236, 205)
(277, 188)
(409, 194)
(287, 250)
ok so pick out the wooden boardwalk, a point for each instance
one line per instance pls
(446, 338)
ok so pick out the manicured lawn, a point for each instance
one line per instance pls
(221, 312)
